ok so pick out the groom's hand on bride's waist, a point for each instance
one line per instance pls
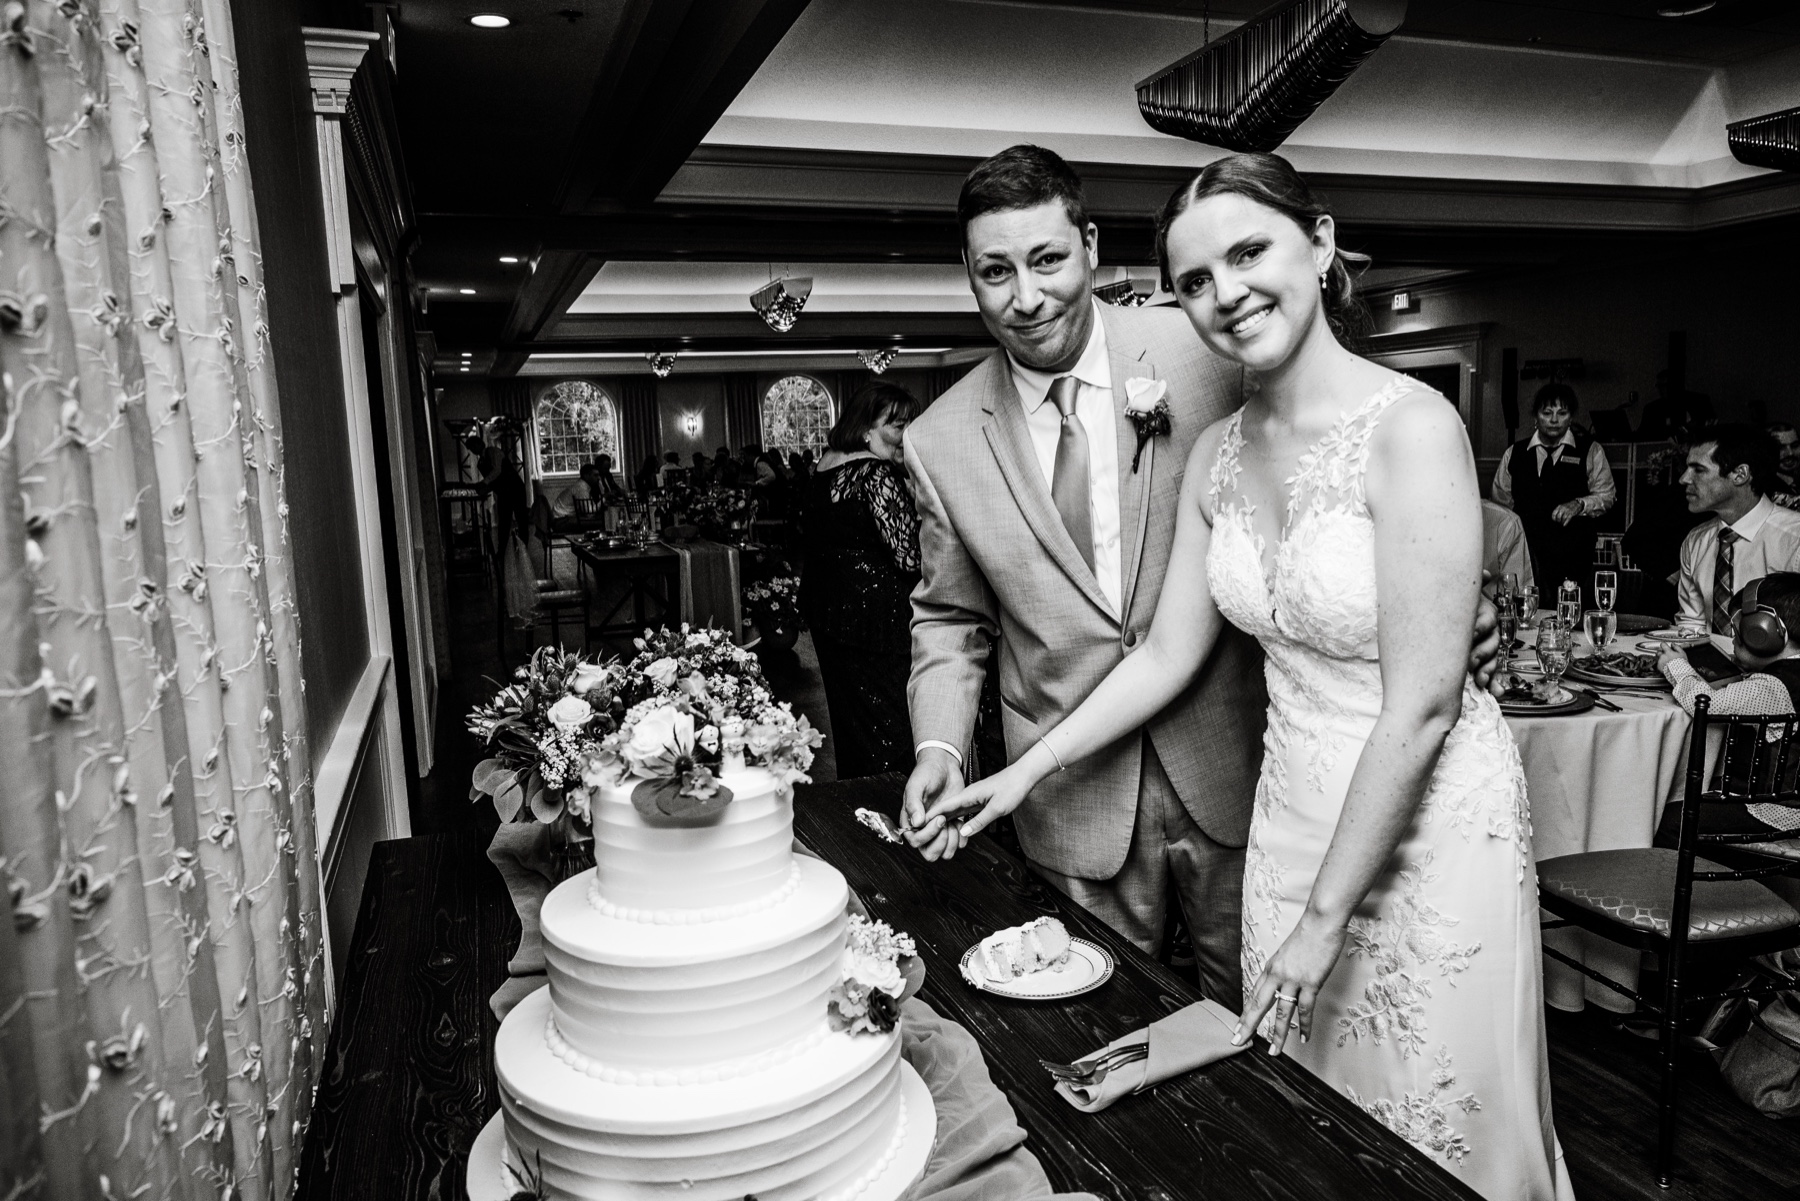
(1484, 642)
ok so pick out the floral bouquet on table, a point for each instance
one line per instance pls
(696, 707)
(774, 605)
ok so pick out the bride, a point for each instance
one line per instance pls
(1390, 919)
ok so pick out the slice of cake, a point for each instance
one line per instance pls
(1021, 950)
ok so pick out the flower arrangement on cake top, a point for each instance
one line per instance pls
(866, 998)
(540, 730)
(698, 706)
(690, 705)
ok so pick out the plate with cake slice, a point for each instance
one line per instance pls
(1037, 961)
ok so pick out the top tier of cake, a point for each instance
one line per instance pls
(651, 870)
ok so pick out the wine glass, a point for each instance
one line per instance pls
(1606, 589)
(1601, 625)
(1528, 605)
(1555, 641)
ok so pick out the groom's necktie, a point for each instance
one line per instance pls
(1723, 577)
(1069, 486)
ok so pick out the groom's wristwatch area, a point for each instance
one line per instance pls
(929, 743)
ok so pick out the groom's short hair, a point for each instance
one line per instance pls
(1021, 177)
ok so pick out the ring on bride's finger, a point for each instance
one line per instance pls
(1290, 1000)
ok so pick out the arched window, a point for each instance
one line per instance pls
(797, 414)
(573, 423)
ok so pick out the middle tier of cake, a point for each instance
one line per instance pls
(638, 1003)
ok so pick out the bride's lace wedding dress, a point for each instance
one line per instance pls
(1432, 1020)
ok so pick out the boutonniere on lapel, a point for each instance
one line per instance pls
(1147, 404)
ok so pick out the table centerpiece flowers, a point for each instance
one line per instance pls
(774, 605)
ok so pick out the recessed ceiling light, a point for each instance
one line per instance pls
(507, 258)
(467, 291)
(490, 21)
(465, 368)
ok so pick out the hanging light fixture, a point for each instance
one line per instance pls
(1253, 87)
(877, 361)
(779, 302)
(661, 363)
(1771, 140)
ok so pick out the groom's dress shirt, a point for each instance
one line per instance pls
(1094, 406)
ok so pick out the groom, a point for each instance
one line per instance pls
(1041, 524)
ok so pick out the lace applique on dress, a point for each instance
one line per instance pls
(1404, 948)
(1423, 1119)
(878, 485)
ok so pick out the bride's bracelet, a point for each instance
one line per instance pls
(1044, 741)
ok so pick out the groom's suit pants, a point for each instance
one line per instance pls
(1167, 845)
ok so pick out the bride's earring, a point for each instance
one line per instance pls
(1324, 278)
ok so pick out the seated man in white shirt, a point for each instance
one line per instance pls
(1503, 550)
(563, 509)
(1729, 475)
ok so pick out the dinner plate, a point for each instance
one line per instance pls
(1089, 967)
(1608, 680)
(1660, 639)
(1568, 701)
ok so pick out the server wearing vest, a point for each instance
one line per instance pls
(1558, 481)
(1765, 641)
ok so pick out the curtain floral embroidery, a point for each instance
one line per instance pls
(162, 977)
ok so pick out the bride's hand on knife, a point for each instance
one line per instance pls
(1291, 981)
(988, 800)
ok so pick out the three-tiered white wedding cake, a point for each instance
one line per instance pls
(682, 1048)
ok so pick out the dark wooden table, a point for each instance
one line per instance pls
(408, 1078)
(1248, 1127)
(652, 579)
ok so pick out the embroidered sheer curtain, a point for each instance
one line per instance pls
(162, 976)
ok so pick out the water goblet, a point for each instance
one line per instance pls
(1555, 642)
(1528, 606)
(1606, 589)
(1601, 625)
(1507, 611)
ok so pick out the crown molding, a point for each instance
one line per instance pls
(332, 58)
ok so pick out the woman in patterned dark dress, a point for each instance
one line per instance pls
(862, 560)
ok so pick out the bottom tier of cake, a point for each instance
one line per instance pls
(831, 1124)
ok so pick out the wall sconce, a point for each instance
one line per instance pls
(690, 425)
(661, 363)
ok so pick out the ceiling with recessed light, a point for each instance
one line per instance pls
(606, 177)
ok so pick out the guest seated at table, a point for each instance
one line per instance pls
(862, 561)
(671, 470)
(1558, 481)
(701, 474)
(725, 469)
(1503, 550)
(1766, 644)
(564, 509)
(645, 480)
(603, 485)
(1729, 473)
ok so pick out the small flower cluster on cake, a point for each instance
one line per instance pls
(866, 999)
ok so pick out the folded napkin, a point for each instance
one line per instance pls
(1187, 1039)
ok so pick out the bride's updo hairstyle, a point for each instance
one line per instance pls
(1271, 181)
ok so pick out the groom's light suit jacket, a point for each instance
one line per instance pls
(997, 558)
